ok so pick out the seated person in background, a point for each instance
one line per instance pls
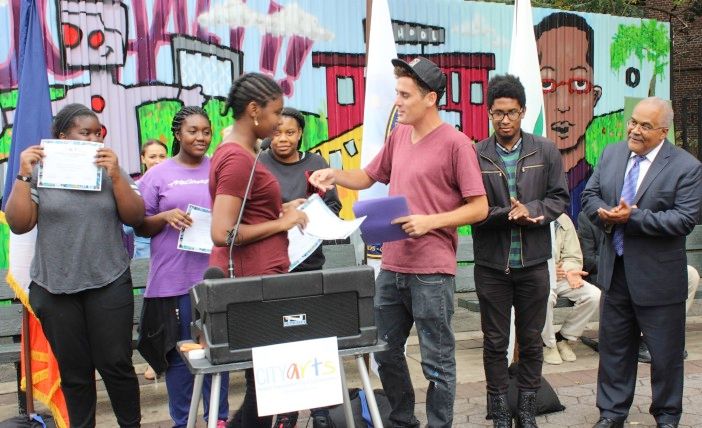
(590, 240)
(292, 169)
(570, 284)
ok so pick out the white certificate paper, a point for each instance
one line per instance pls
(323, 223)
(197, 237)
(70, 164)
(300, 246)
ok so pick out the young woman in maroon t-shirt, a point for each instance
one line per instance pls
(261, 244)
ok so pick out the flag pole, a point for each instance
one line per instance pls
(28, 384)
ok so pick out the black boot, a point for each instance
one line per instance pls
(526, 410)
(499, 409)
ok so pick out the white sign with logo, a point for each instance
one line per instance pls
(297, 375)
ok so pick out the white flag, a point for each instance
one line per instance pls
(378, 111)
(21, 252)
(524, 63)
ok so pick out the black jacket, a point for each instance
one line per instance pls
(541, 187)
(591, 239)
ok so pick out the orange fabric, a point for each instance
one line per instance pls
(45, 373)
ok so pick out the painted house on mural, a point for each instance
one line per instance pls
(136, 62)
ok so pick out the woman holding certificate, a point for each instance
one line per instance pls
(261, 244)
(174, 192)
(81, 287)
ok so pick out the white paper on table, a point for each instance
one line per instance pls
(70, 164)
(322, 223)
(300, 246)
(297, 375)
(197, 237)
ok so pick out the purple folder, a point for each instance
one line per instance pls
(379, 213)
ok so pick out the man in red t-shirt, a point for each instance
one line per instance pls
(436, 168)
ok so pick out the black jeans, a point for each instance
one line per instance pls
(527, 290)
(92, 330)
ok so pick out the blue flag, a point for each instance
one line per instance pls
(33, 117)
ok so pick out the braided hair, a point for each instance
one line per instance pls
(63, 121)
(178, 120)
(255, 87)
(294, 114)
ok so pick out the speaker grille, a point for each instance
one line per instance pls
(252, 324)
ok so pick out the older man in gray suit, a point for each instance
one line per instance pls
(645, 194)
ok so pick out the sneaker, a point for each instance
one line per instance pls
(565, 350)
(221, 423)
(552, 356)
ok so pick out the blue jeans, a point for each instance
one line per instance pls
(427, 301)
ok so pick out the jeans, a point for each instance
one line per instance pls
(426, 300)
(527, 290)
(91, 330)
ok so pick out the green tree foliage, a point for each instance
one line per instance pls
(647, 41)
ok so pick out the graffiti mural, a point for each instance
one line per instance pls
(136, 62)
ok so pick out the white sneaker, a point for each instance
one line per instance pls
(552, 356)
(566, 351)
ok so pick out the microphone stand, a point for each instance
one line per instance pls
(231, 236)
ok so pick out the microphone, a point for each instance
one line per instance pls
(213, 272)
(231, 236)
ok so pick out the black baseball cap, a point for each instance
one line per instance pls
(426, 72)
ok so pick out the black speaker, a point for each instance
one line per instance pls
(233, 315)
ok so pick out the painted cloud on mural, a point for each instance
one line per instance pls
(290, 20)
(478, 26)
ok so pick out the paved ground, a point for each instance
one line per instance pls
(574, 384)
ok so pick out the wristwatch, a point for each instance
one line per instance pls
(25, 178)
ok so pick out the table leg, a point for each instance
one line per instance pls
(348, 412)
(214, 400)
(195, 400)
(370, 396)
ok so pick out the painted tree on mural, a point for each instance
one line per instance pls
(647, 42)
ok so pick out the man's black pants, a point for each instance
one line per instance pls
(526, 289)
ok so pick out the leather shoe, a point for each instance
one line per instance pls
(608, 423)
(644, 353)
(659, 425)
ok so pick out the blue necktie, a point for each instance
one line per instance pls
(628, 193)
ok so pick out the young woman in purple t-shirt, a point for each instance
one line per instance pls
(168, 189)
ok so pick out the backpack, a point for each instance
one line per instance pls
(361, 413)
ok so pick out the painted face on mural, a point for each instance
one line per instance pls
(93, 33)
(569, 94)
(411, 103)
(286, 139)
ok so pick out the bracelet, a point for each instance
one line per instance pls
(25, 178)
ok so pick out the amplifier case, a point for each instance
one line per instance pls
(233, 315)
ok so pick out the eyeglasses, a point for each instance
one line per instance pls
(576, 85)
(499, 115)
(645, 127)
